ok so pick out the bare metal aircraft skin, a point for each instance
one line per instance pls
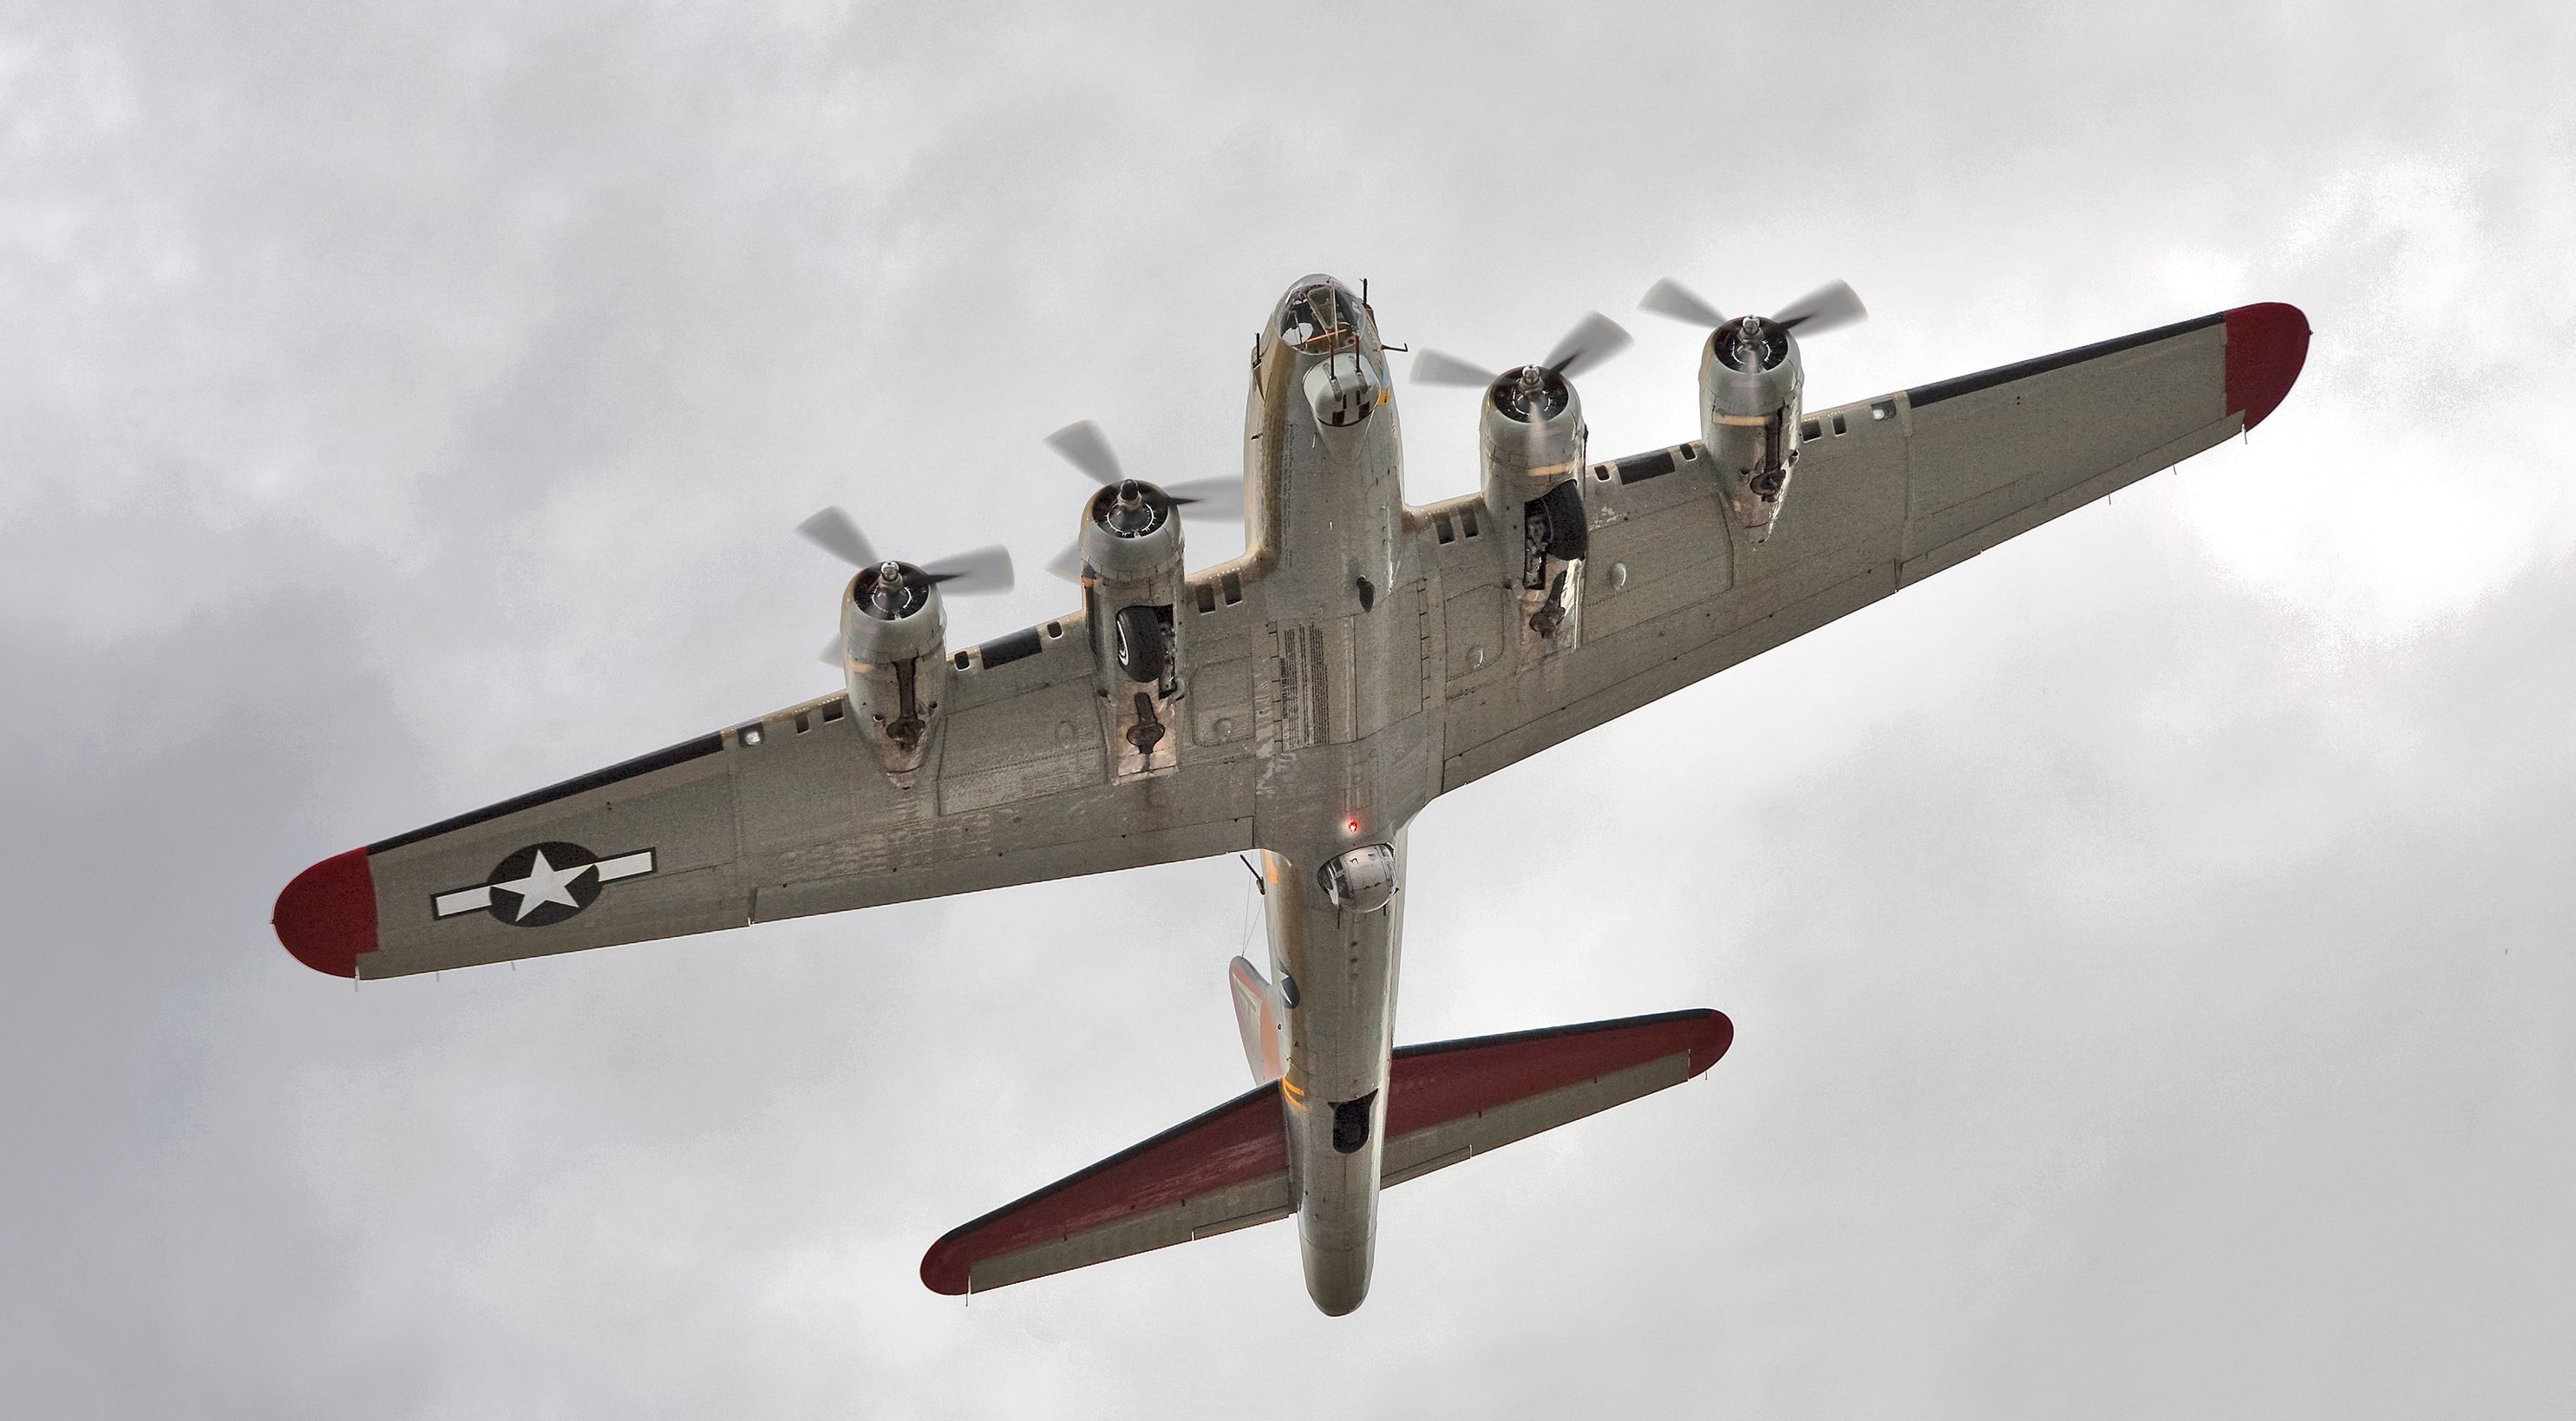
(1301, 704)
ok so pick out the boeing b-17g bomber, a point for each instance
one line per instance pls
(1301, 704)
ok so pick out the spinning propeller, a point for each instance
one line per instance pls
(1086, 448)
(1822, 309)
(1594, 339)
(968, 574)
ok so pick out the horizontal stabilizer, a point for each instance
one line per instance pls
(1228, 1169)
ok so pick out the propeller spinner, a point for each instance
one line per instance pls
(1827, 307)
(1593, 340)
(978, 572)
(1084, 446)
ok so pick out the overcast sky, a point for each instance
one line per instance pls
(2148, 943)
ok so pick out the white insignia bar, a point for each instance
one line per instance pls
(542, 884)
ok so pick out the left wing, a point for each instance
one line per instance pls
(1887, 492)
(776, 818)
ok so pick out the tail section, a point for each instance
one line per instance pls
(1262, 1017)
(1450, 1100)
(1228, 1169)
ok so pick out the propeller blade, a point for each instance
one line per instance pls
(835, 532)
(1433, 368)
(972, 574)
(1823, 309)
(1086, 448)
(1594, 339)
(1208, 498)
(1670, 298)
(832, 652)
(1068, 564)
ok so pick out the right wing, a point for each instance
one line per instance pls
(1887, 492)
(777, 818)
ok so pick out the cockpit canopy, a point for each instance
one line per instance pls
(1321, 316)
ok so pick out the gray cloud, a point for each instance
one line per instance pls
(2148, 943)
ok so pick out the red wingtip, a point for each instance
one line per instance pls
(944, 1267)
(1713, 1039)
(2267, 343)
(327, 916)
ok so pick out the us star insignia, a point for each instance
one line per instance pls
(544, 883)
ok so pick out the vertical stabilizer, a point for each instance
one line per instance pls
(1262, 1017)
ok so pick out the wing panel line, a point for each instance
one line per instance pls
(1940, 390)
(661, 759)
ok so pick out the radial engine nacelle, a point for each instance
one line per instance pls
(1534, 441)
(894, 655)
(1750, 384)
(1533, 435)
(1132, 587)
(1531, 426)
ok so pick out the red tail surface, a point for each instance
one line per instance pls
(1228, 1169)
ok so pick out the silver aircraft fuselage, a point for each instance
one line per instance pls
(1304, 702)
(1325, 547)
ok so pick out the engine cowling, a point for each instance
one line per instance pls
(1133, 586)
(894, 635)
(1534, 444)
(1750, 385)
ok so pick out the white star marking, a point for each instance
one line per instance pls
(544, 884)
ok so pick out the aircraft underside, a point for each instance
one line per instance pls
(1300, 705)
